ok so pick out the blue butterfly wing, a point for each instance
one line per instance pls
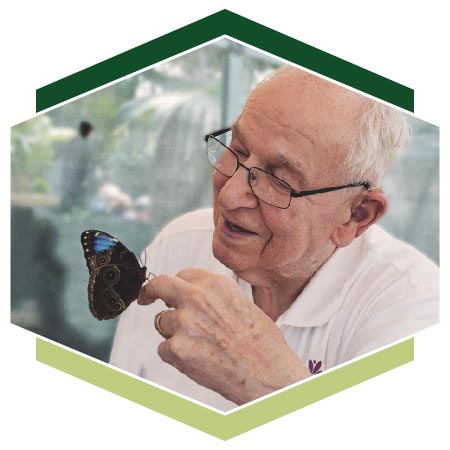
(95, 242)
(103, 241)
(102, 249)
(115, 277)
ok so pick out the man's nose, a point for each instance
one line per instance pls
(237, 193)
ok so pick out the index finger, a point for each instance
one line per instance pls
(172, 290)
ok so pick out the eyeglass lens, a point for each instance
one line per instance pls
(269, 189)
(265, 186)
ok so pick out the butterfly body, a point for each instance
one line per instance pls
(115, 275)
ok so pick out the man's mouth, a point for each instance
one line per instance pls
(237, 228)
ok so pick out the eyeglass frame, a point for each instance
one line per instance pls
(366, 184)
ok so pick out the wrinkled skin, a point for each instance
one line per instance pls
(212, 329)
(298, 127)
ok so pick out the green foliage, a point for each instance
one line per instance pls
(32, 153)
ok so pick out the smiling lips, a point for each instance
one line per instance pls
(236, 228)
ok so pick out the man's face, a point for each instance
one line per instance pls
(298, 128)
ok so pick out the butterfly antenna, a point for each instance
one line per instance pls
(145, 264)
(140, 259)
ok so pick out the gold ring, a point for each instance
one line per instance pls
(158, 323)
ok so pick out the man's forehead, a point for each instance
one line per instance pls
(299, 87)
(292, 78)
(323, 112)
(244, 130)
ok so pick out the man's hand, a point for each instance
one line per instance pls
(218, 338)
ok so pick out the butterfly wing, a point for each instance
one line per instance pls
(112, 288)
(115, 275)
(101, 249)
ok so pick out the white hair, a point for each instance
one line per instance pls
(383, 132)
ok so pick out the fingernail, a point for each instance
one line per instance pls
(145, 297)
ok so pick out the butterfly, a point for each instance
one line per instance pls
(115, 275)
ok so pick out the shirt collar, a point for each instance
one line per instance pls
(323, 295)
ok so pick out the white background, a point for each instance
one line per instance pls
(44, 41)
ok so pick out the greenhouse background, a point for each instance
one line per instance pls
(130, 157)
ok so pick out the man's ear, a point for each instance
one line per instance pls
(365, 213)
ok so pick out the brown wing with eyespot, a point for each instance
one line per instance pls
(113, 288)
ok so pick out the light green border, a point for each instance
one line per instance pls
(212, 422)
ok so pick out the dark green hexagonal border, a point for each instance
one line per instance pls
(219, 24)
(224, 426)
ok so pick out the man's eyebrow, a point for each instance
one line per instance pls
(289, 164)
(294, 167)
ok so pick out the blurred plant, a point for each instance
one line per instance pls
(32, 153)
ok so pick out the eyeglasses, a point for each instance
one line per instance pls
(264, 185)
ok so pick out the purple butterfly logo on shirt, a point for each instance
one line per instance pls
(314, 366)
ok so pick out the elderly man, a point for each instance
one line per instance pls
(286, 276)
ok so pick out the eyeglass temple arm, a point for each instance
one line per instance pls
(294, 194)
(366, 185)
(216, 133)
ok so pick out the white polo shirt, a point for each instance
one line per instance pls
(367, 295)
